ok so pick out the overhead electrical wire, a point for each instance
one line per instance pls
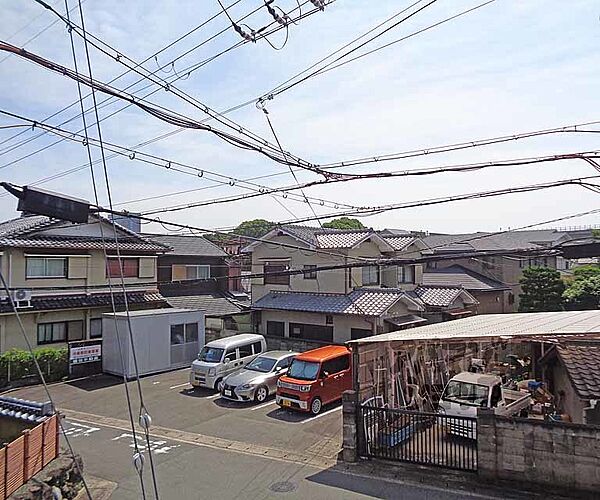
(150, 57)
(137, 451)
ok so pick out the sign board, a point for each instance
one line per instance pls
(85, 354)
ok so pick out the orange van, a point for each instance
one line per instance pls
(315, 378)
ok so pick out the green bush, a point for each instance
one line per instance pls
(17, 364)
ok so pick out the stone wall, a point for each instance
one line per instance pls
(349, 435)
(562, 455)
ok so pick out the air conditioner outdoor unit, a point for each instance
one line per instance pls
(22, 297)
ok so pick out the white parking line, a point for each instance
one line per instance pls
(215, 396)
(264, 405)
(319, 415)
(179, 385)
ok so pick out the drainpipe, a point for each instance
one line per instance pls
(9, 269)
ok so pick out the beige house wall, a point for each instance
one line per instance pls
(569, 401)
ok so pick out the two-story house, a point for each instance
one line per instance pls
(346, 303)
(59, 277)
(194, 274)
(494, 280)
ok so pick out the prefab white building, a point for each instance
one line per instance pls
(164, 339)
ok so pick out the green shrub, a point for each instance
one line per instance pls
(16, 364)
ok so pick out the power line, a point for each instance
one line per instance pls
(112, 297)
(43, 380)
(154, 55)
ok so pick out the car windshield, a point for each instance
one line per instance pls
(466, 393)
(303, 370)
(261, 364)
(210, 354)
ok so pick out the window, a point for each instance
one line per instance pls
(245, 350)
(62, 331)
(406, 274)
(328, 319)
(284, 363)
(177, 335)
(197, 272)
(311, 332)
(191, 332)
(275, 328)
(276, 267)
(359, 333)
(129, 266)
(335, 365)
(309, 273)
(210, 354)
(231, 354)
(184, 334)
(46, 267)
(95, 328)
(370, 275)
(257, 347)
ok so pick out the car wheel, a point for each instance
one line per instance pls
(316, 406)
(261, 394)
(219, 385)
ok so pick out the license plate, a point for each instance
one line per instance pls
(227, 392)
(286, 403)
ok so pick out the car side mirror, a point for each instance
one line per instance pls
(226, 360)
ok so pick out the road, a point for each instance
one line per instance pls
(204, 447)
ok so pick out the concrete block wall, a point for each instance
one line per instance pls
(349, 435)
(561, 455)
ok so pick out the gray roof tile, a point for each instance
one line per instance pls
(212, 304)
(460, 276)
(363, 301)
(437, 296)
(188, 245)
(583, 367)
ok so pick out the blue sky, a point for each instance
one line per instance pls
(510, 67)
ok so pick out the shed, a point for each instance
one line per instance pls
(429, 355)
(164, 339)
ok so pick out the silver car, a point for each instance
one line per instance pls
(258, 379)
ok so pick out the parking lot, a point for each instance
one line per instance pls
(179, 412)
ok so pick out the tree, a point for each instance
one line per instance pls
(255, 228)
(542, 290)
(583, 292)
(344, 223)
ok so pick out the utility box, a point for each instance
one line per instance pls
(164, 339)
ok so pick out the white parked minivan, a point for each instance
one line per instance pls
(219, 358)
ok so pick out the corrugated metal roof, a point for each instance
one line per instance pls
(188, 245)
(364, 301)
(501, 325)
(457, 275)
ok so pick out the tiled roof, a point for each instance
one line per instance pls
(583, 367)
(514, 240)
(53, 302)
(364, 301)
(460, 276)
(341, 239)
(81, 243)
(407, 319)
(304, 233)
(188, 245)
(440, 296)
(399, 242)
(212, 304)
(22, 232)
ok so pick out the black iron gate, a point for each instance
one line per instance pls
(418, 437)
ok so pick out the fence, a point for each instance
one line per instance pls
(27, 455)
(417, 437)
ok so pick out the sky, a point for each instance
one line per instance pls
(509, 67)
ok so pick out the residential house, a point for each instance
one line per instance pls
(491, 294)
(572, 372)
(505, 270)
(194, 274)
(60, 279)
(346, 303)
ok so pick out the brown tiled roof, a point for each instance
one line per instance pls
(54, 302)
(582, 362)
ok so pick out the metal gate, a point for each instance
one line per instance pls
(417, 437)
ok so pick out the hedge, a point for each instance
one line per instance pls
(16, 364)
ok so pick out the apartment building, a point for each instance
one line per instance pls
(61, 279)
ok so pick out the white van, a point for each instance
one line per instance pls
(219, 358)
